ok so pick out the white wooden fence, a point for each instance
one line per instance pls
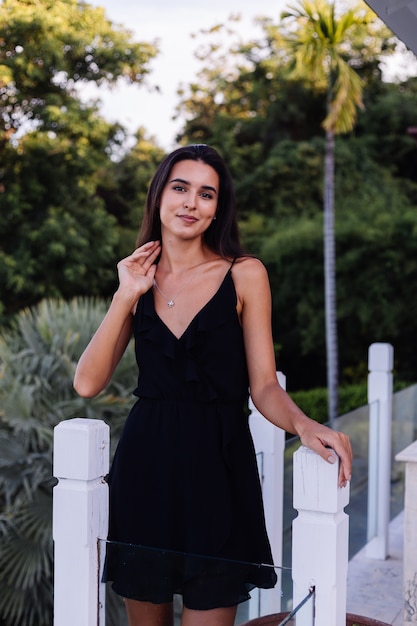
(380, 383)
(80, 518)
(269, 444)
(80, 514)
(320, 532)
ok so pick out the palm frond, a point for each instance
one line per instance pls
(38, 357)
(317, 41)
(27, 607)
(342, 109)
(26, 560)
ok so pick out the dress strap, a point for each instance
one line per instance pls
(233, 262)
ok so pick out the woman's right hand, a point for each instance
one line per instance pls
(137, 271)
(100, 358)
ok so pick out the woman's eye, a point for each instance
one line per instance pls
(207, 195)
(178, 188)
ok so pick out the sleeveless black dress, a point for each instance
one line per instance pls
(186, 511)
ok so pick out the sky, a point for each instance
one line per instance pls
(172, 22)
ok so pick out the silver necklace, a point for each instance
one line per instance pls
(171, 301)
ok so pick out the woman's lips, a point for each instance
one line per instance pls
(188, 219)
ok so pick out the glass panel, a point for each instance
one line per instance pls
(289, 514)
(357, 425)
(404, 417)
(404, 433)
(177, 564)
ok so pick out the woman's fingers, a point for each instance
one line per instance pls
(143, 257)
(147, 253)
(326, 442)
(343, 449)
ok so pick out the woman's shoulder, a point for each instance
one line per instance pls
(250, 267)
(251, 284)
(251, 279)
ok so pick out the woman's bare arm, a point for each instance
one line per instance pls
(270, 399)
(102, 355)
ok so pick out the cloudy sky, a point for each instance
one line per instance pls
(172, 22)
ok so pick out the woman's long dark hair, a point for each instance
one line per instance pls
(222, 236)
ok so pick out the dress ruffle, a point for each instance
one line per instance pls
(206, 369)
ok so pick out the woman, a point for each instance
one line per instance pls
(184, 478)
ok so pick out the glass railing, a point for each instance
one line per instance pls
(404, 433)
(157, 568)
(360, 425)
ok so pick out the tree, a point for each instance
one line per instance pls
(48, 47)
(268, 125)
(319, 43)
(56, 237)
(384, 123)
(376, 267)
(123, 188)
(38, 357)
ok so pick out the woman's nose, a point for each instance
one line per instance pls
(189, 201)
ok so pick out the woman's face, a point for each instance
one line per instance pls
(189, 200)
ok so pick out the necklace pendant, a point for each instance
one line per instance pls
(171, 303)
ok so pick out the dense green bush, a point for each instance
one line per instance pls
(314, 401)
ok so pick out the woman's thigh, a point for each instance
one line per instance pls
(149, 614)
(212, 617)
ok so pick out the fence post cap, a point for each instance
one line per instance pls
(380, 357)
(81, 449)
(316, 483)
(409, 454)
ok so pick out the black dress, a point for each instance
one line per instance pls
(186, 512)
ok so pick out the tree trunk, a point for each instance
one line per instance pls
(330, 278)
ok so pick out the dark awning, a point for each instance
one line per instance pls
(401, 17)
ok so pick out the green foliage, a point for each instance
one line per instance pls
(314, 401)
(287, 183)
(319, 42)
(38, 357)
(124, 185)
(51, 223)
(48, 46)
(248, 105)
(376, 246)
(68, 211)
(57, 238)
(383, 126)
(268, 129)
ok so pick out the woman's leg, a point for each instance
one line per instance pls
(149, 614)
(213, 617)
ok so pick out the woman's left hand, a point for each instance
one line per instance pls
(324, 441)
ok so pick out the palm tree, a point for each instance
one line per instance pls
(37, 363)
(319, 41)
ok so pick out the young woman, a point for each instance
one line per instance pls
(184, 478)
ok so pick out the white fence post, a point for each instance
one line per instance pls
(80, 515)
(269, 444)
(409, 456)
(320, 540)
(380, 382)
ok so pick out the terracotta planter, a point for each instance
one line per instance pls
(276, 618)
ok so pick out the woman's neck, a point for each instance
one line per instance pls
(177, 258)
